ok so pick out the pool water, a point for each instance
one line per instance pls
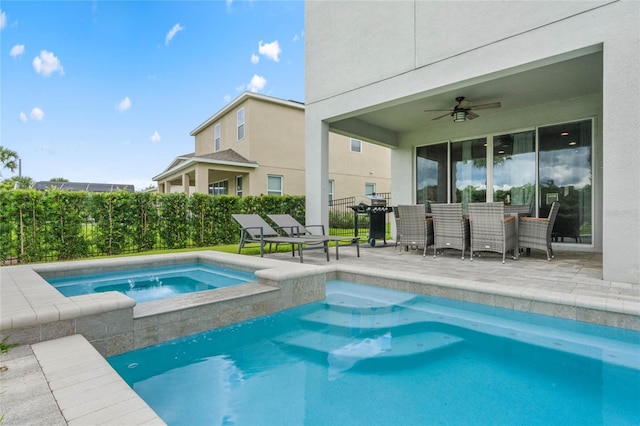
(153, 283)
(372, 356)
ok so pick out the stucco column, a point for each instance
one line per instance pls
(202, 179)
(185, 183)
(621, 154)
(402, 177)
(317, 170)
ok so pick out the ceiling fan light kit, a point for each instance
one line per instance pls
(463, 110)
(459, 116)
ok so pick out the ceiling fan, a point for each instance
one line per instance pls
(464, 110)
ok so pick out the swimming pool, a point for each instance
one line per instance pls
(154, 282)
(369, 355)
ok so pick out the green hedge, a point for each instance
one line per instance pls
(38, 226)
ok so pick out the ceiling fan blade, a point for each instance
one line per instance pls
(441, 116)
(487, 106)
(435, 110)
(471, 115)
(464, 105)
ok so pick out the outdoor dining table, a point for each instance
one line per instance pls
(517, 211)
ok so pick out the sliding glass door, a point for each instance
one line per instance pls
(520, 171)
(514, 168)
(432, 170)
(469, 171)
(564, 165)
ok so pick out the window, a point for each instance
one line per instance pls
(216, 137)
(219, 188)
(274, 185)
(239, 186)
(356, 145)
(240, 117)
(331, 191)
(369, 188)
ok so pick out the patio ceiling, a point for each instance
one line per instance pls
(515, 89)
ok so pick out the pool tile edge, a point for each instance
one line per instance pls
(51, 355)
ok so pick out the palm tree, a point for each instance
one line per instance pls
(8, 159)
(17, 182)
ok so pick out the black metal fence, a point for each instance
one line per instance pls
(342, 216)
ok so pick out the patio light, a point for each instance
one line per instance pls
(459, 116)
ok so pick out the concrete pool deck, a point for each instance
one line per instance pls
(65, 380)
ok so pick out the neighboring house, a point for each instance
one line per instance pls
(567, 127)
(255, 145)
(83, 186)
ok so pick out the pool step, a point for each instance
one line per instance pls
(344, 352)
(349, 302)
(367, 319)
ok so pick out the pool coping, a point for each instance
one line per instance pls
(589, 308)
(32, 310)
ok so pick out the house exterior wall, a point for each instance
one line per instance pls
(274, 138)
(351, 171)
(425, 47)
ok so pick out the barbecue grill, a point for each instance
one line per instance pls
(377, 210)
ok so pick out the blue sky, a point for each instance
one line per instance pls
(108, 91)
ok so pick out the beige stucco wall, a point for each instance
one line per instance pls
(274, 138)
(352, 170)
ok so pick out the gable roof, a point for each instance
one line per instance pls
(237, 101)
(226, 157)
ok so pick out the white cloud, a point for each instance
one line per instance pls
(270, 50)
(255, 58)
(23, 117)
(37, 114)
(297, 37)
(155, 137)
(47, 63)
(17, 50)
(257, 83)
(3, 19)
(227, 98)
(124, 104)
(172, 33)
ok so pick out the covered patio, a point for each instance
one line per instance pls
(531, 112)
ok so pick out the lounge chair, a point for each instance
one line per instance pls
(535, 233)
(491, 230)
(415, 229)
(450, 228)
(255, 229)
(292, 228)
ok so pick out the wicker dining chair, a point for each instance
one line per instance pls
(490, 230)
(450, 228)
(535, 233)
(416, 231)
(396, 216)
